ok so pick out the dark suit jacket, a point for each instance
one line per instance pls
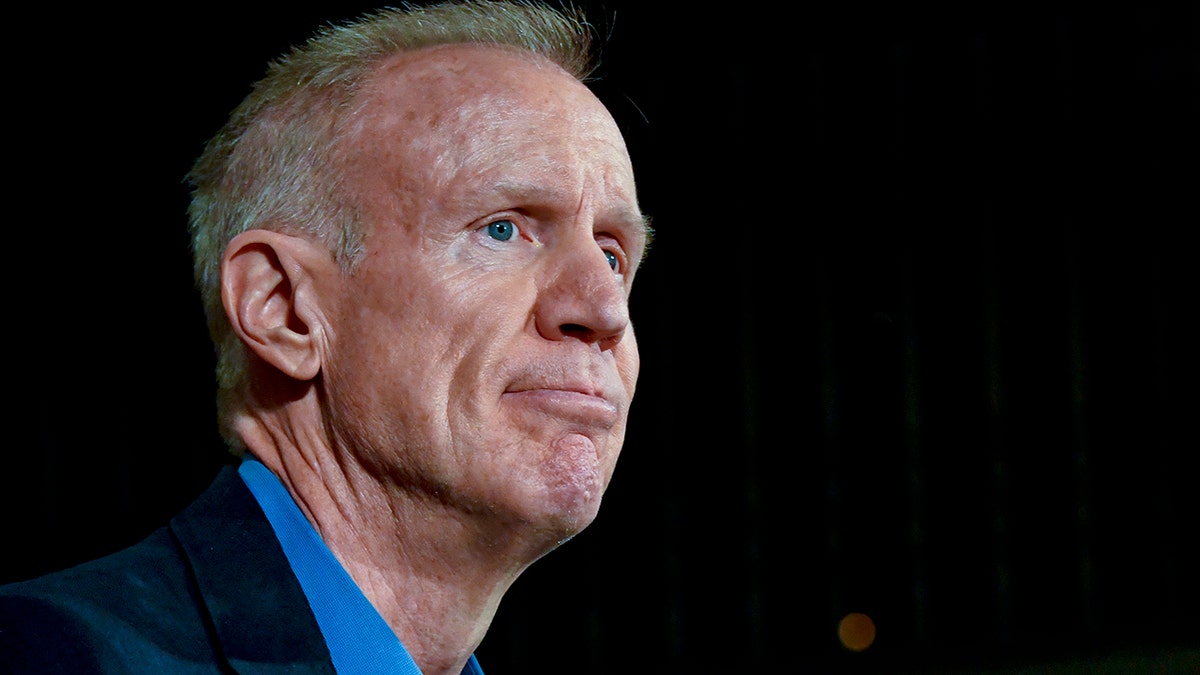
(211, 592)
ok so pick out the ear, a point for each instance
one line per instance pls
(271, 298)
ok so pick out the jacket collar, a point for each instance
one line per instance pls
(259, 613)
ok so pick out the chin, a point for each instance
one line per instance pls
(564, 504)
(559, 496)
(555, 529)
(575, 515)
(575, 479)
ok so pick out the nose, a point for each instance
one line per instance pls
(583, 299)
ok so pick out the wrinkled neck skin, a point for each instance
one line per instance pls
(435, 573)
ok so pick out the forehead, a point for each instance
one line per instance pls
(453, 112)
(461, 72)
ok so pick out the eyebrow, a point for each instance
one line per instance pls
(647, 228)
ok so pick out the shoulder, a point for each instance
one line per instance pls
(210, 589)
(151, 572)
(38, 634)
(140, 605)
(131, 606)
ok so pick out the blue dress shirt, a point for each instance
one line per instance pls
(359, 640)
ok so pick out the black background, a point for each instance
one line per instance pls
(912, 330)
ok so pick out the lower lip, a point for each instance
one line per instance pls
(569, 405)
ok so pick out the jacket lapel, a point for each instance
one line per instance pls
(259, 613)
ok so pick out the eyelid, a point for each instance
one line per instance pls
(609, 242)
(517, 220)
(631, 234)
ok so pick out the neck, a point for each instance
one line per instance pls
(434, 573)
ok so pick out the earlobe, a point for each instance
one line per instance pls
(269, 296)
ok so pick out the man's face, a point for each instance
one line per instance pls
(482, 356)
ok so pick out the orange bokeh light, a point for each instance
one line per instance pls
(856, 631)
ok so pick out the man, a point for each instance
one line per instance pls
(416, 240)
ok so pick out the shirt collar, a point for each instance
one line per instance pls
(359, 640)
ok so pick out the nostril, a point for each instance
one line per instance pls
(575, 330)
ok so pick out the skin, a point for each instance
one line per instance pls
(454, 409)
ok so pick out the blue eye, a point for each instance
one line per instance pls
(501, 230)
(613, 262)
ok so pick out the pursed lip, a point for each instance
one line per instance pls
(574, 402)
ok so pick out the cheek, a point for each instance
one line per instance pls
(386, 352)
(628, 362)
(419, 316)
(484, 314)
(459, 340)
